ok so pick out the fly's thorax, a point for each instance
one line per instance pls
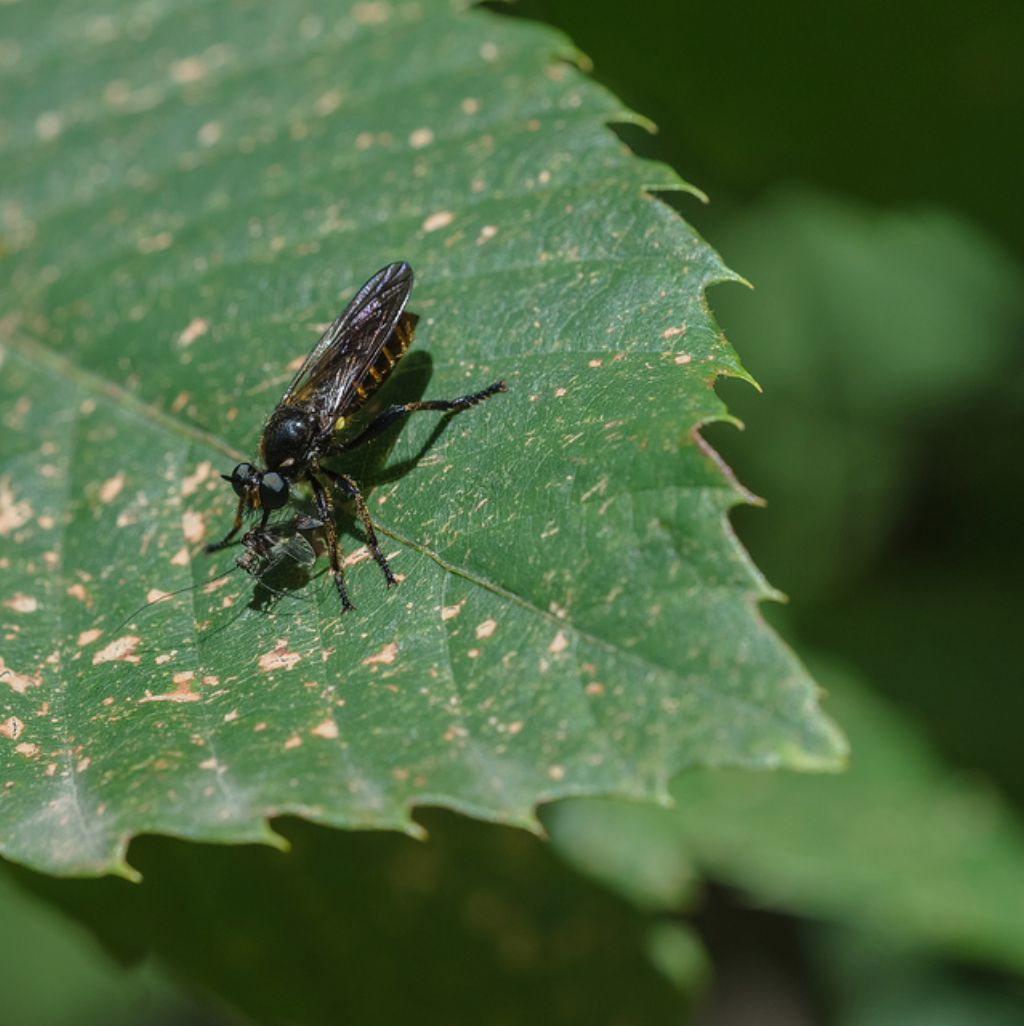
(288, 438)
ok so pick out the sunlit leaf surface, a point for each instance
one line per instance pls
(191, 192)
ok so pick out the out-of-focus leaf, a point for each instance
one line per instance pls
(897, 844)
(865, 328)
(187, 199)
(54, 974)
(905, 989)
(480, 925)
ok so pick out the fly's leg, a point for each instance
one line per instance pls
(226, 540)
(351, 491)
(323, 507)
(396, 413)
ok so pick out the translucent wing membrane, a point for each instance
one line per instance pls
(328, 379)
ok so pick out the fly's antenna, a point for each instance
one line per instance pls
(171, 594)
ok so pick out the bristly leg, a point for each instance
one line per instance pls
(351, 491)
(323, 506)
(393, 414)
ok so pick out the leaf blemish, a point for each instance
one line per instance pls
(328, 729)
(182, 690)
(486, 628)
(439, 219)
(191, 482)
(559, 643)
(12, 514)
(387, 654)
(421, 137)
(112, 487)
(88, 637)
(192, 526)
(195, 328)
(119, 650)
(11, 728)
(18, 682)
(279, 657)
(21, 603)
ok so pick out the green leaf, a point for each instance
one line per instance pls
(320, 935)
(898, 844)
(93, 989)
(188, 199)
(866, 329)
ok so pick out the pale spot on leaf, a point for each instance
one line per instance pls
(559, 644)
(190, 482)
(112, 487)
(12, 514)
(279, 657)
(328, 729)
(11, 728)
(196, 328)
(21, 603)
(421, 137)
(192, 526)
(439, 219)
(121, 650)
(387, 654)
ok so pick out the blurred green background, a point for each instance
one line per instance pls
(863, 162)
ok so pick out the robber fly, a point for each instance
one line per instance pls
(349, 363)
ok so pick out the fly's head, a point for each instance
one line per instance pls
(267, 490)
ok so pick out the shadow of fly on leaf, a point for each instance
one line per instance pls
(353, 358)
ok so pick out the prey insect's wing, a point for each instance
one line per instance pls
(296, 547)
(348, 348)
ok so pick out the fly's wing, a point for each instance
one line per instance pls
(350, 345)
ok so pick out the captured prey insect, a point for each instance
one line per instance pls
(266, 548)
(348, 365)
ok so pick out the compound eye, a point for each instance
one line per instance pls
(273, 491)
(241, 477)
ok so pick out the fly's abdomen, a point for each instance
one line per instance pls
(391, 352)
